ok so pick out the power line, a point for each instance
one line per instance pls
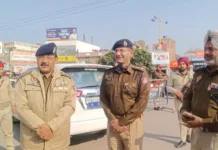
(27, 24)
(62, 11)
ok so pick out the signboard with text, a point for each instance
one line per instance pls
(160, 58)
(23, 56)
(67, 59)
(61, 34)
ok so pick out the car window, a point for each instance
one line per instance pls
(85, 77)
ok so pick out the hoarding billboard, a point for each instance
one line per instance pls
(195, 56)
(61, 34)
(160, 58)
(156, 47)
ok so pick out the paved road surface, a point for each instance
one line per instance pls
(161, 133)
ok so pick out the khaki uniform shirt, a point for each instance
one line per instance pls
(6, 92)
(124, 95)
(35, 106)
(177, 80)
(202, 97)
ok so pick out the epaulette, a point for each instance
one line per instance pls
(24, 74)
(140, 68)
(65, 75)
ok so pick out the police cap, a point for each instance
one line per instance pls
(46, 49)
(123, 43)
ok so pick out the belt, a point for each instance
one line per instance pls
(207, 130)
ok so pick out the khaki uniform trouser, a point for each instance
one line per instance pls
(6, 124)
(203, 141)
(184, 131)
(132, 139)
(44, 149)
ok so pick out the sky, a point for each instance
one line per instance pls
(110, 20)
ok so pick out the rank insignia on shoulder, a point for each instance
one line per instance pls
(144, 80)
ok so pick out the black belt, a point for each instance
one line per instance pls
(207, 130)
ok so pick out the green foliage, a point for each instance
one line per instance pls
(107, 59)
(141, 57)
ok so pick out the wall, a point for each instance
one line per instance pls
(80, 45)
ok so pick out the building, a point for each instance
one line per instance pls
(69, 49)
(170, 47)
(68, 46)
(90, 57)
(19, 56)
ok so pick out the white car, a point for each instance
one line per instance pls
(89, 116)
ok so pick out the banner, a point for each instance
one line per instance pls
(67, 59)
(23, 56)
(195, 56)
(160, 58)
(61, 34)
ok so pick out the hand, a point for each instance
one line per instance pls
(188, 84)
(44, 131)
(116, 127)
(13, 109)
(196, 122)
(179, 94)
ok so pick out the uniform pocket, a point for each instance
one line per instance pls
(34, 95)
(130, 89)
(59, 94)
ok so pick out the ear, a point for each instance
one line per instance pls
(131, 51)
(56, 59)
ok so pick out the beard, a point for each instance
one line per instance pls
(213, 62)
(182, 69)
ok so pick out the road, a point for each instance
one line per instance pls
(161, 132)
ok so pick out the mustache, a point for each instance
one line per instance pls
(208, 55)
(44, 64)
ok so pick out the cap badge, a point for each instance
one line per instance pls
(54, 50)
(125, 43)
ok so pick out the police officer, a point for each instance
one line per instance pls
(200, 104)
(6, 106)
(175, 84)
(45, 101)
(124, 96)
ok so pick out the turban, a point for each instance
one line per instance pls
(212, 35)
(184, 60)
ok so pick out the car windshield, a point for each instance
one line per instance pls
(85, 77)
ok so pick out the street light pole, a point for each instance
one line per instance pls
(160, 22)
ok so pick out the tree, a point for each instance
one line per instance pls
(141, 44)
(107, 59)
(141, 57)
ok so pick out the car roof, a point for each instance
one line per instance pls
(71, 65)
